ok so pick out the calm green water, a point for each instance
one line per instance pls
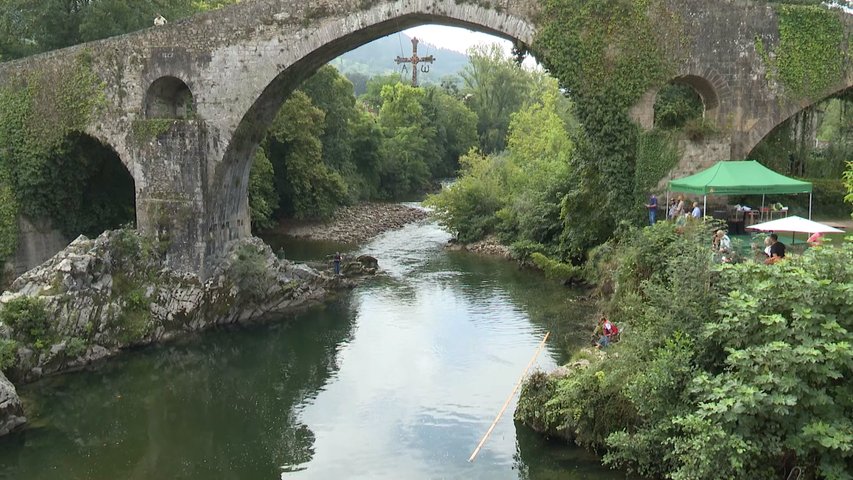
(398, 379)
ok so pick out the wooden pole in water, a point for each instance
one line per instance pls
(509, 399)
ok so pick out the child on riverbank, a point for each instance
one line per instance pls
(605, 331)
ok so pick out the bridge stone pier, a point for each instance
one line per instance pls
(187, 104)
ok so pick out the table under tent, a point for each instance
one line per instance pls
(746, 177)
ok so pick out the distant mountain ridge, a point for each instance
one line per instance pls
(377, 58)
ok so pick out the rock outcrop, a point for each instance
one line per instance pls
(490, 246)
(106, 294)
(11, 411)
(99, 296)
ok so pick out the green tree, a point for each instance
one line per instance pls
(367, 139)
(306, 186)
(470, 205)
(495, 87)
(539, 149)
(408, 151)
(373, 97)
(263, 197)
(332, 93)
(739, 369)
(455, 129)
(848, 182)
(517, 193)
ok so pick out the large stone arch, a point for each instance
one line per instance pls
(228, 213)
(783, 111)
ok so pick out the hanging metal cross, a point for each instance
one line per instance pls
(415, 60)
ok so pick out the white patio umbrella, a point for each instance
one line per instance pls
(794, 224)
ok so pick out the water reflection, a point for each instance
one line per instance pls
(223, 406)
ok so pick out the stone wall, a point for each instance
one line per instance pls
(241, 62)
(37, 242)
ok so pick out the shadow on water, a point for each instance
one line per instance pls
(538, 458)
(298, 249)
(218, 406)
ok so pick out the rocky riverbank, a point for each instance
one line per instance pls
(489, 246)
(357, 223)
(97, 297)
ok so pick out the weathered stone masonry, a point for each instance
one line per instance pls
(221, 76)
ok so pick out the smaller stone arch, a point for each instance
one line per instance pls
(643, 112)
(706, 91)
(169, 97)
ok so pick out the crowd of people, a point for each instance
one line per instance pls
(721, 244)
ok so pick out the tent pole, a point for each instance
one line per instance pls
(810, 205)
(666, 206)
(705, 206)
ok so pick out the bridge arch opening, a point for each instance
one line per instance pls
(169, 98)
(87, 190)
(231, 177)
(100, 191)
(685, 99)
(814, 142)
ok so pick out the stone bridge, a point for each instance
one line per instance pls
(186, 104)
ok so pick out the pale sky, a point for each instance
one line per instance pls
(456, 39)
(461, 39)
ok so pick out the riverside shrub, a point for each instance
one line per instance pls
(739, 371)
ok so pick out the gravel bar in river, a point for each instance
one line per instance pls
(358, 223)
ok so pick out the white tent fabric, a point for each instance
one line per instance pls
(794, 224)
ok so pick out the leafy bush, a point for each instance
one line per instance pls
(263, 198)
(739, 369)
(75, 347)
(555, 269)
(249, 272)
(8, 353)
(28, 319)
(522, 249)
(676, 105)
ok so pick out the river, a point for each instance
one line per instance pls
(397, 379)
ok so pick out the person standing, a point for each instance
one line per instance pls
(653, 208)
(337, 262)
(679, 207)
(697, 212)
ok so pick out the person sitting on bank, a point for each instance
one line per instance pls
(777, 249)
(607, 332)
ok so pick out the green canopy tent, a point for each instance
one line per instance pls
(746, 177)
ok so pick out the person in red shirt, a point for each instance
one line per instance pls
(608, 330)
